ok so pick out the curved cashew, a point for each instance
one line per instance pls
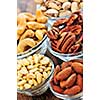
(39, 34)
(28, 33)
(24, 43)
(40, 17)
(36, 25)
(29, 16)
(21, 24)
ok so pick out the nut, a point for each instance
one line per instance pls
(74, 6)
(32, 74)
(27, 30)
(66, 36)
(66, 80)
(66, 5)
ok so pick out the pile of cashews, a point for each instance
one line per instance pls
(30, 30)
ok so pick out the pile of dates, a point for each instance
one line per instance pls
(66, 35)
(68, 78)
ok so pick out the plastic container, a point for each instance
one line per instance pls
(67, 97)
(41, 88)
(62, 56)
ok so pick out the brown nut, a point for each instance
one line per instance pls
(69, 82)
(64, 73)
(79, 81)
(78, 67)
(73, 90)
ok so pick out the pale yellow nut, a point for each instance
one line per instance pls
(45, 61)
(21, 87)
(21, 82)
(39, 34)
(40, 56)
(27, 86)
(47, 69)
(30, 60)
(40, 70)
(45, 75)
(36, 65)
(23, 70)
(42, 67)
(31, 75)
(30, 67)
(66, 5)
(20, 62)
(19, 74)
(19, 78)
(35, 82)
(31, 82)
(43, 79)
(33, 70)
(18, 66)
(48, 72)
(24, 77)
(25, 62)
(39, 77)
(74, 6)
(50, 64)
(36, 58)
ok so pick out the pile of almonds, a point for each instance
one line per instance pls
(66, 35)
(68, 78)
(58, 8)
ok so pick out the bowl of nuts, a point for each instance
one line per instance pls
(33, 74)
(31, 31)
(65, 39)
(67, 81)
(59, 8)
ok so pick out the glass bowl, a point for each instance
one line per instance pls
(62, 56)
(41, 88)
(41, 47)
(67, 97)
